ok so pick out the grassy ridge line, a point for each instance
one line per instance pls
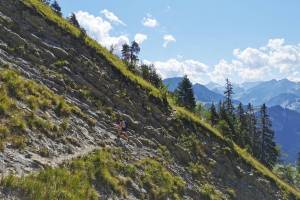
(116, 62)
(241, 152)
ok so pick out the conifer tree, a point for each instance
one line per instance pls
(213, 117)
(148, 72)
(55, 6)
(73, 20)
(126, 53)
(252, 130)
(228, 97)
(241, 126)
(268, 152)
(185, 94)
(134, 51)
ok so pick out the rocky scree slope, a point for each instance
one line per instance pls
(59, 101)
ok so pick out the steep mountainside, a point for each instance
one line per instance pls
(61, 95)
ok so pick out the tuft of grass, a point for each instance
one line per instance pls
(197, 170)
(161, 183)
(17, 93)
(53, 184)
(105, 169)
(209, 192)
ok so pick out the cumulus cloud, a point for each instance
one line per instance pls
(140, 38)
(167, 39)
(100, 30)
(112, 17)
(150, 22)
(194, 69)
(275, 60)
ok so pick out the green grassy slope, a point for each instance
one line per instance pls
(46, 12)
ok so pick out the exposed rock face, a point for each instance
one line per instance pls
(42, 52)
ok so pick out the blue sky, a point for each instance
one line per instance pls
(203, 35)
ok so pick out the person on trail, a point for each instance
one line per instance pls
(122, 129)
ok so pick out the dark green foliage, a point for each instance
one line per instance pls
(252, 131)
(228, 97)
(73, 20)
(242, 137)
(126, 53)
(130, 54)
(56, 7)
(268, 151)
(134, 51)
(213, 115)
(148, 72)
(185, 95)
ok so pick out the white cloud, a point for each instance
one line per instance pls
(140, 38)
(167, 39)
(275, 60)
(112, 17)
(100, 30)
(195, 70)
(150, 22)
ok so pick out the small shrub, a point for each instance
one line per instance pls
(44, 152)
(209, 192)
(18, 142)
(197, 170)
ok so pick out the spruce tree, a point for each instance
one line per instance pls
(55, 6)
(252, 130)
(185, 94)
(134, 51)
(268, 151)
(213, 116)
(126, 53)
(228, 97)
(229, 108)
(73, 20)
(241, 126)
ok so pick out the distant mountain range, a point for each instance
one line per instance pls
(201, 92)
(283, 92)
(287, 131)
(281, 96)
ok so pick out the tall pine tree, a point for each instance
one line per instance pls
(184, 94)
(73, 20)
(268, 151)
(241, 126)
(229, 116)
(252, 130)
(213, 115)
(228, 97)
(134, 51)
(126, 53)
